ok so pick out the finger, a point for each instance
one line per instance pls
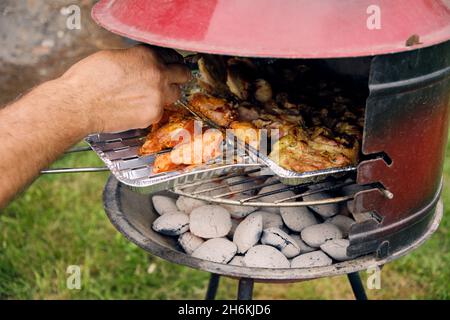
(178, 73)
(172, 94)
(157, 116)
(154, 114)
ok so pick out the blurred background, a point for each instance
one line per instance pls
(59, 221)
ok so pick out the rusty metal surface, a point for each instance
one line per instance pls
(407, 118)
(132, 215)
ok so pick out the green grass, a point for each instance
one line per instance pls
(59, 221)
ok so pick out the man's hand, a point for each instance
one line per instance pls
(124, 89)
(109, 91)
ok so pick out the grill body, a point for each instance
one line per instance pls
(406, 130)
(407, 110)
(132, 214)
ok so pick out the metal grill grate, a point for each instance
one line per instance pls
(246, 197)
(120, 154)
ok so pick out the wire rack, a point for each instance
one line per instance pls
(252, 181)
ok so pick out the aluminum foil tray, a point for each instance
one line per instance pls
(119, 151)
(289, 177)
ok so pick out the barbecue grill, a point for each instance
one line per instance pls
(405, 62)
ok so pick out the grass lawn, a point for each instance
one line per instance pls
(59, 221)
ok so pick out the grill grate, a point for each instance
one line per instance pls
(119, 152)
(252, 182)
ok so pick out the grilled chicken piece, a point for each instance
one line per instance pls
(273, 107)
(285, 124)
(217, 110)
(197, 151)
(166, 136)
(163, 163)
(349, 129)
(292, 154)
(320, 125)
(302, 152)
(263, 90)
(297, 155)
(213, 74)
(337, 153)
(283, 99)
(240, 74)
(208, 147)
(248, 112)
(246, 132)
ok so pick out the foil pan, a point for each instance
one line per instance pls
(119, 152)
(289, 177)
(292, 178)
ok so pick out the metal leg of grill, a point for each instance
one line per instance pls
(357, 286)
(212, 286)
(245, 289)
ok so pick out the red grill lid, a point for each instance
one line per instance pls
(280, 28)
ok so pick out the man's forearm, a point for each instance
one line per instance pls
(34, 131)
(109, 91)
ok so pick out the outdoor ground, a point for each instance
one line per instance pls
(59, 221)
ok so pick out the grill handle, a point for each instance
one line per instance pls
(75, 170)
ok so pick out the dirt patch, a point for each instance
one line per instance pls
(38, 46)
